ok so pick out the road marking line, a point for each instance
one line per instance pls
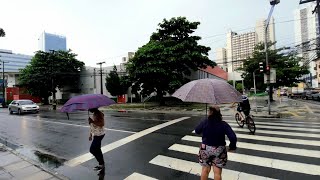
(263, 138)
(275, 122)
(257, 161)
(86, 157)
(137, 176)
(275, 149)
(308, 108)
(304, 129)
(195, 168)
(283, 124)
(279, 132)
(238, 129)
(78, 125)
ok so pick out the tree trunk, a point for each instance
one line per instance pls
(161, 99)
(45, 100)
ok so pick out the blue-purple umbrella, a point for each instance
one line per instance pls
(86, 102)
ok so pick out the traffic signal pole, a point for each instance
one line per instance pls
(272, 3)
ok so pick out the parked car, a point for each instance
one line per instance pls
(316, 96)
(23, 106)
(308, 94)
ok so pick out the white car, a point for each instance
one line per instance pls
(315, 96)
(23, 106)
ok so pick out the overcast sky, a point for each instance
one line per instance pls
(105, 30)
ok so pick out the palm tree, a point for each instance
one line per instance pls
(2, 33)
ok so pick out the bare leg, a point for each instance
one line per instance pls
(205, 172)
(217, 172)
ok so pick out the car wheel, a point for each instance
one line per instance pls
(307, 98)
(19, 112)
(10, 111)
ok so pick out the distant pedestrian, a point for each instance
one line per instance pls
(96, 135)
(213, 152)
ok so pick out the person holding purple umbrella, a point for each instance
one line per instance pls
(96, 135)
(213, 151)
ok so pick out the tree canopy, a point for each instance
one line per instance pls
(51, 70)
(165, 62)
(284, 60)
(115, 84)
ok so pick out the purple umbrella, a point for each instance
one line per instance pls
(212, 91)
(86, 102)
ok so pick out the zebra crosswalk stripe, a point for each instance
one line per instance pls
(258, 161)
(279, 132)
(303, 129)
(195, 168)
(138, 176)
(282, 124)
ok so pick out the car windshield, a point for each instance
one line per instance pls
(26, 102)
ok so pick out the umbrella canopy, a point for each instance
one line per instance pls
(86, 102)
(211, 91)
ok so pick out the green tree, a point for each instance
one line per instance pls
(115, 84)
(50, 70)
(164, 63)
(2, 33)
(284, 60)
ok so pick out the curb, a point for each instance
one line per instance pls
(278, 115)
(36, 164)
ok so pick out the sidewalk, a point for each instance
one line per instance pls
(14, 166)
(281, 107)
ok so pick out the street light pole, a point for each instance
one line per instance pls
(101, 84)
(272, 3)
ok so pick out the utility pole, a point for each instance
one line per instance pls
(3, 85)
(101, 85)
(54, 105)
(272, 3)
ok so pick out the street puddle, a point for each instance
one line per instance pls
(47, 160)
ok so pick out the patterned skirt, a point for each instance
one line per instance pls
(211, 155)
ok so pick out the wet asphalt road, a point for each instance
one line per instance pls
(50, 138)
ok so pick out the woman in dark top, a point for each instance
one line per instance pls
(213, 150)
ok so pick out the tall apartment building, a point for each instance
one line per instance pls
(306, 32)
(221, 58)
(261, 30)
(49, 42)
(241, 46)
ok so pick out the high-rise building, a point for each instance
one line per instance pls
(306, 32)
(261, 30)
(241, 46)
(221, 57)
(14, 62)
(49, 42)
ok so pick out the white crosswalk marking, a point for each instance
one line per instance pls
(264, 138)
(257, 152)
(195, 168)
(303, 129)
(254, 160)
(279, 133)
(282, 124)
(137, 176)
